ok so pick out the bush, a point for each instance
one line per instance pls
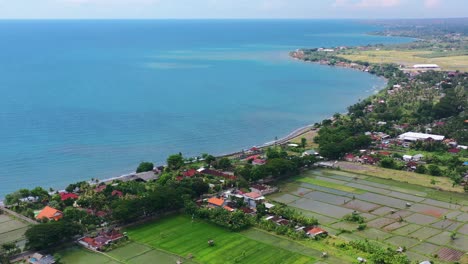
(434, 170)
(354, 217)
(145, 166)
(361, 227)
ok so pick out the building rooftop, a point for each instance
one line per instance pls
(414, 136)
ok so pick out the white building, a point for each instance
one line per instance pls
(413, 136)
(426, 66)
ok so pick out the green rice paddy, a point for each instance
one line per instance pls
(182, 236)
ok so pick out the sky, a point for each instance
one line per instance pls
(230, 9)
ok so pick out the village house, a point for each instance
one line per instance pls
(103, 239)
(407, 157)
(366, 159)
(253, 198)
(454, 150)
(65, 196)
(189, 173)
(117, 193)
(350, 157)
(50, 214)
(226, 175)
(277, 220)
(263, 189)
(215, 202)
(316, 231)
(228, 208)
(247, 210)
(411, 165)
(310, 152)
(257, 162)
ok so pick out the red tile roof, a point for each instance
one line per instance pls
(117, 192)
(228, 208)
(100, 188)
(316, 231)
(253, 157)
(454, 150)
(64, 196)
(189, 173)
(259, 161)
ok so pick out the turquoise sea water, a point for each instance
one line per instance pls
(83, 99)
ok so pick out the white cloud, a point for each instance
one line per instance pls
(432, 3)
(367, 3)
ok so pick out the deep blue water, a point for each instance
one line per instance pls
(83, 99)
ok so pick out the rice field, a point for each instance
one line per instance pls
(182, 236)
(11, 229)
(396, 214)
(409, 58)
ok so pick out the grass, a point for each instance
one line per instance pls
(331, 185)
(402, 176)
(11, 230)
(310, 135)
(410, 57)
(78, 255)
(181, 236)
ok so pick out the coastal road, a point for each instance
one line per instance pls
(22, 217)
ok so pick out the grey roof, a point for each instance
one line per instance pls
(147, 176)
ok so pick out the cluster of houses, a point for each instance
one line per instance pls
(310, 231)
(101, 240)
(229, 199)
(383, 142)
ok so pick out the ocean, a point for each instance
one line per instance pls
(93, 98)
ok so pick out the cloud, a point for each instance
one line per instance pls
(367, 3)
(431, 3)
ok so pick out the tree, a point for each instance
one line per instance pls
(209, 159)
(303, 142)
(223, 163)
(434, 170)
(48, 234)
(421, 169)
(40, 193)
(175, 162)
(145, 166)
(388, 163)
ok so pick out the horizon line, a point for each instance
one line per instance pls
(279, 18)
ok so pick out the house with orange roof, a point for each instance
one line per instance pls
(215, 202)
(50, 214)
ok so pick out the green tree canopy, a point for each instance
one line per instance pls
(145, 166)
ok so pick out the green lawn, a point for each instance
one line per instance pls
(78, 255)
(181, 236)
